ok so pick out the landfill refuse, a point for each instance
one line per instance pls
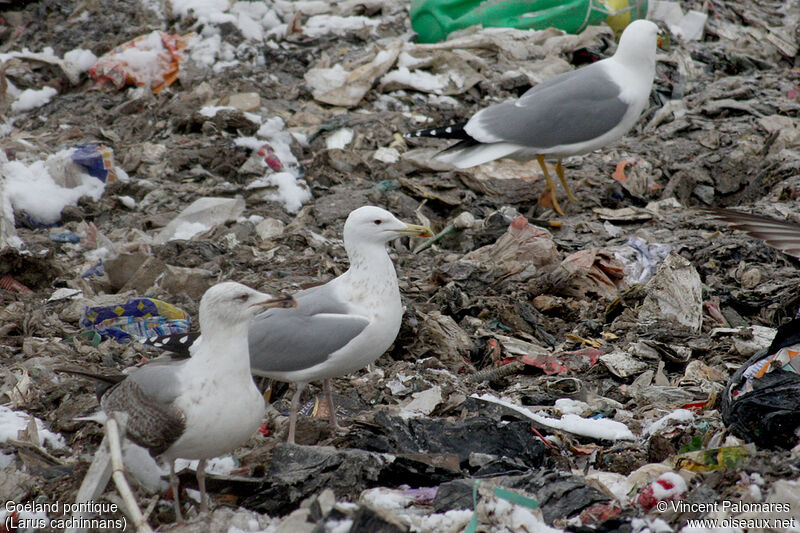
(39, 192)
(8, 283)
(152, 60)
(761, 403)
(586, 369)
(339, 86)
(201, 215)
(688, 26)
(433, 20)
(138, 318)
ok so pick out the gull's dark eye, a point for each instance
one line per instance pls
(242, 297)
(378, 221)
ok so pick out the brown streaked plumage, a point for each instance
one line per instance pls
(779, 234)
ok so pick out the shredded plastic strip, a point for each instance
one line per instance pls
(503, 494)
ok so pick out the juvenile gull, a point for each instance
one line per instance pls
(336, 328)
(199, 407)
(573, 113)
(779, 234)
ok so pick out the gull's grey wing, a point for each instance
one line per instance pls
(572, 107)
(286, 340)
(781, 235)
(146, 396)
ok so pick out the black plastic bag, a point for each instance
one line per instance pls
(769, 414)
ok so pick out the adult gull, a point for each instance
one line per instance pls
(199, 407)
(573, 113)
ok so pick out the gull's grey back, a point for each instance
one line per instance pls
(287, 340)
(572, 107)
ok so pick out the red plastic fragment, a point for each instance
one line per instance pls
(10, 284)
(270, 158)
(564, 363)
(647, 498)
(600, 513)
(543, 438)
(697, 407)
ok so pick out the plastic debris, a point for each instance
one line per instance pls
(715, 458)
(564, 363)
(462, 222)
(202, 215)
(39, 192)
(8, 283)
(641, 258)
(433, 20)
(669, 486)
(590, 273)
(339, 86)
(623, 365)
(674, 295)
(339, 139)
(688, 26)
(98, 161)
(65, 237)
(761, 401)
(152, 60)
(138, 318)
(520, 252)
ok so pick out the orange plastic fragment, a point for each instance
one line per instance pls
(619, 173)
(120, 69)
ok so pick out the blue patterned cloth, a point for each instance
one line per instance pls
(138, 318)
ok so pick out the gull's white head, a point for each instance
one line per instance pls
(638, 42)
(229, 304)
(373, 225)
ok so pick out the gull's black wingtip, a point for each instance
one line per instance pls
(453, 131)
(177, 343)
(103, 382)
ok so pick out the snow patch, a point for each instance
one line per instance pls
(187, 230)
(33, 98)
(218, 465)
(418, 79)
(81, 60)
(320, 25)
(32, 190)
(204, 11)
(588, 427)
(292, 192)
(679, 415)
(569, 406)
(12, 422)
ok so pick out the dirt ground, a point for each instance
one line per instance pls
(487, 310)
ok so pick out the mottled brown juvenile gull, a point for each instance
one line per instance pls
(199, 407)
(779, 234)
(572, 113)
(336, 328)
